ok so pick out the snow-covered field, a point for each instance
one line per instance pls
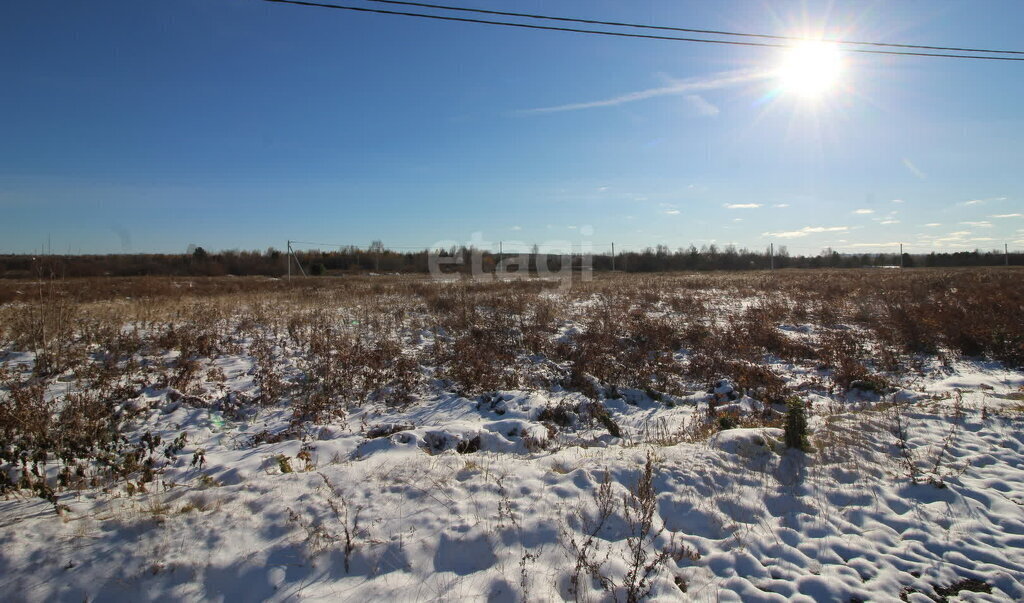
(604, 485)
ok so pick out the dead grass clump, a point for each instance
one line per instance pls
(268, 375)
(563, 415)
(622, 346)
(644, 558)
(483, 357)
(757, 328)
(342, 369)
(80, 432)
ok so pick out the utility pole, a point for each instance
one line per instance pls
(501, 255)
(291, 255)
(613, 256)
(288, 259)
(1006, 254)
(901, 255)
(771, 255)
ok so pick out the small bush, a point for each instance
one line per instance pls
(561, 415)
(796, 425)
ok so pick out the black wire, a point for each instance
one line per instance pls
(456, 244)
(684, 29)
(623, 34)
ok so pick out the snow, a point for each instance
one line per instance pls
(458, 498)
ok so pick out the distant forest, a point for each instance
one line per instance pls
(273, 262)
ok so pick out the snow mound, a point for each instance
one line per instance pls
(509, 436)
(748, 443)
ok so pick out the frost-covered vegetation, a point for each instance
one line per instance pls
(850, 435)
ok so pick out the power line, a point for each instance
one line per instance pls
(683, 29)
(621, 34)
(460, 245)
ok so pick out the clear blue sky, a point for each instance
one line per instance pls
(150, 125)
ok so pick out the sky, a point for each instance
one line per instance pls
(149, 126)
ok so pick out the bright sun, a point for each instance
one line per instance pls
(810, 70)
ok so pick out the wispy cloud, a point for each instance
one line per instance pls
(672, 212)
(980, 224)
(701, 106)
(741, 205)
(864, 211)
(722, 79)
(803, 232)
(889, 222)
(516, 228)
(896, 244)
(973, 202)
(1007, 216)
(914, 169)
(897, 201)
(781, 205)
(933, 224)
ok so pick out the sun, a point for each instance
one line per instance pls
(810, 70)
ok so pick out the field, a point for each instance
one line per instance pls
(818, 435)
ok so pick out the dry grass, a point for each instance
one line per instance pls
(359, 339)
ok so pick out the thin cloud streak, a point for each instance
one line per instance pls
(701, 106)
(806, 230)
(722, 79)
(914, 169)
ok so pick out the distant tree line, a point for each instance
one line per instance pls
(377, 258)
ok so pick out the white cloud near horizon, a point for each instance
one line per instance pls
(864, 211)
(722, 79)
(741, 205)
(1007, 216)
(806, 230)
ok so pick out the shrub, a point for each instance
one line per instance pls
(561, 415)
(796, 425)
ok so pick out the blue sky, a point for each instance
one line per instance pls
(152, 125)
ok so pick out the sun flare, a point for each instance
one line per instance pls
(810, 70)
